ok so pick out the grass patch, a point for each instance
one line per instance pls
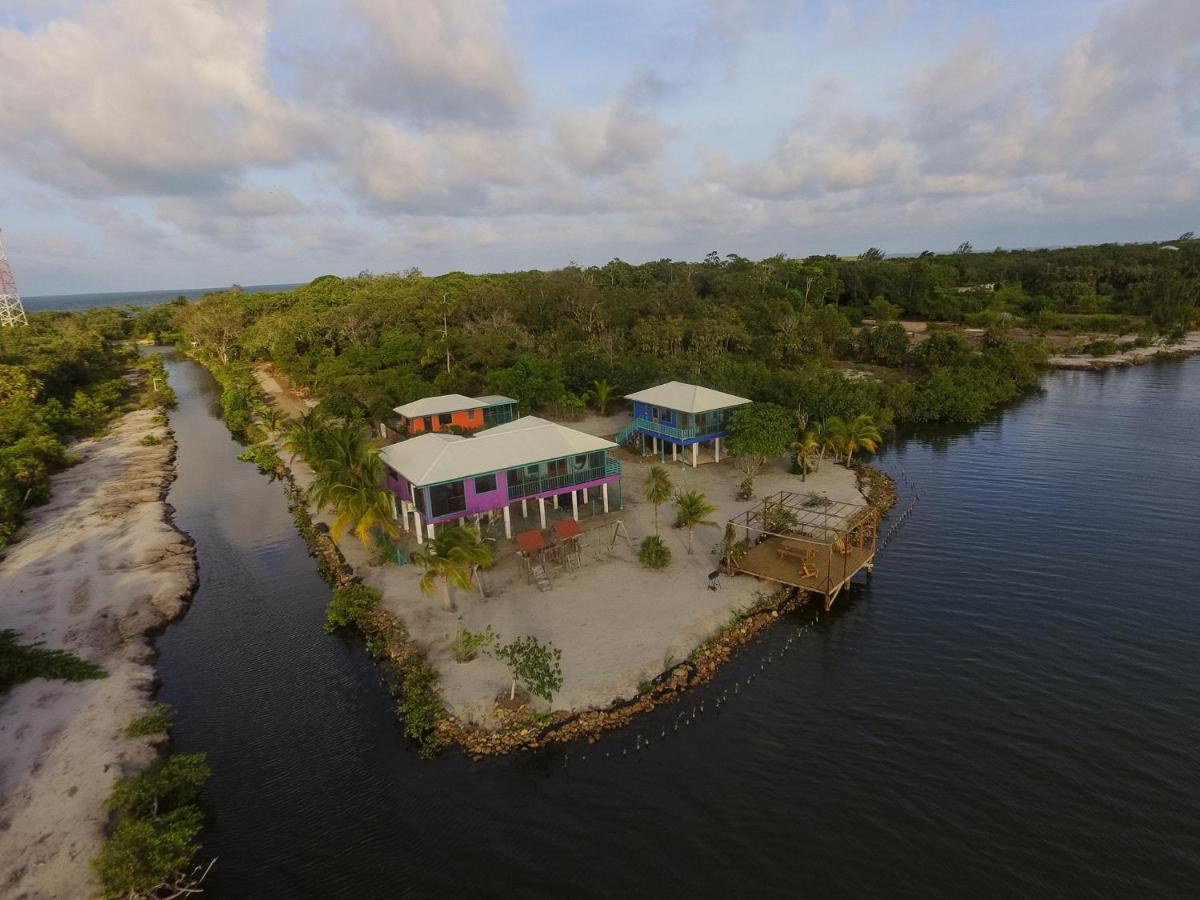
(150, 440)
(25, 662)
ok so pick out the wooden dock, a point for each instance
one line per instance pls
(788, 540)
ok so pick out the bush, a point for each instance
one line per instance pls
(468, 644)
(1101, 348)
(150, 440)
(536, 665)
(24, 662)
(165, 785)
(350, 605)
(157, 721)
(141, 854)
(264, 457)
(419, 705)
(654, 553)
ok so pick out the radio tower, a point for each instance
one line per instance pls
(12, 313)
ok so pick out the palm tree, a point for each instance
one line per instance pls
(452, 558)
(835, 435)
(804, 448)
(349, 477)
(305, 436)
(694, 510)
(658, 490)
(601, 394)
(861, 432)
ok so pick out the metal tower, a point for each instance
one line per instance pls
(12, 313)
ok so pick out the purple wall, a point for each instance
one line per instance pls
(481, 503)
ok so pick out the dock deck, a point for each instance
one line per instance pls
(833, 570)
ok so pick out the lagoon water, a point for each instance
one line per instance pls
(75, 302)
(1009, 707)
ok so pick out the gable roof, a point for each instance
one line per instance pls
(434, 457)
(431, 406)
(494, 400)
(689, 398)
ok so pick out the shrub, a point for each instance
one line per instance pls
(1101, 348)
(264, 457)
(142, 854)
(419, 705)
(150, 440)
(24, 662)
(157, 721)
(349, 605)
(654, 553)
(468, 644)
(159, 419)
(165, 785)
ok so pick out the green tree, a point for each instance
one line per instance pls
(601, 395)
(653, 552)
(658, 490)
(759, 432)
(451, 559)
(804, 448)
(350, 479)
(536, 665)
(861, 433)
(694, 509)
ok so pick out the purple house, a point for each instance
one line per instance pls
(440, 478)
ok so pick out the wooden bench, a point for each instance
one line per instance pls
(792, 548)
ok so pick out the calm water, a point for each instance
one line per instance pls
(131, 298)
(1009, 708)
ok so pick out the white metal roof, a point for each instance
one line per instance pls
(689, 398)
(494, 399)
(434, 457)
(431, 406)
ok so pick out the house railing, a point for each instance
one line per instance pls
(556, 482)
(679, 434)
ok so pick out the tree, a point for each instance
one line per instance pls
(861, 432)
(658, 490)
(963, 249)
(694, 509)
(452, 558)
(871, 254)
(601, 395)
(833, 436)
(349, 477)
(306, 436)
(759, 432)
(653, 552)
(808, 444)
(536, 665)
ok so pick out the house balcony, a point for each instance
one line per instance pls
(555, 483)
(675, 433)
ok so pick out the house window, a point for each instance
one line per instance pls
(596, 460)
(580, 462)
(445, 419)
(427, 421)
(557, 467)
(445, 499)
(485, 484)
(516, 477)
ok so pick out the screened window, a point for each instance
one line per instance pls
(557, 467)
(445, 419)
(446, 499)
(428, 422)
(580, 462)
(516, 477)
(596, 460)
(485, 484)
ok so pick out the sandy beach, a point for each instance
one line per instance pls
(100, 569)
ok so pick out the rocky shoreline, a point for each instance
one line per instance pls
(101, 570)
(1189, 346)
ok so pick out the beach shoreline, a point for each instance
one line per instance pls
(102, 568)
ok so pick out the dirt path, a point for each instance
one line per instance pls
(99, 568)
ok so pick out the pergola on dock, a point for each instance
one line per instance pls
(815, 547)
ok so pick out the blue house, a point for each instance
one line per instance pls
(683, 415)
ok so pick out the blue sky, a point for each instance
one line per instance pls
(147, 144)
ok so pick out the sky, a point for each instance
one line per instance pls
(148, 144)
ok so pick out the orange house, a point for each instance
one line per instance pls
(454, 412)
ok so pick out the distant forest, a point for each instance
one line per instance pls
(781, 330)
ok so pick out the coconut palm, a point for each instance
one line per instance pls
(601, 395)
(658, 490)
(693, 508)
(451, 558)
(835, 435)
(349, 477)
(861, 432)
(305, 436)
(805, 448)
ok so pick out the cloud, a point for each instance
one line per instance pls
(608, 139)
(426, 61)
(140, 96)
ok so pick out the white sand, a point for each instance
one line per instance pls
(99, 567)
(616, 622)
